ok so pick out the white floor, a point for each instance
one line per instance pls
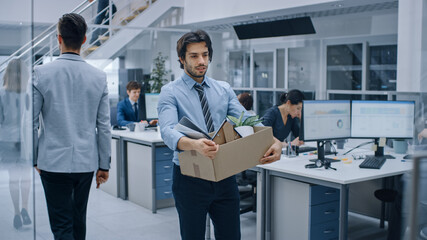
(110, 218)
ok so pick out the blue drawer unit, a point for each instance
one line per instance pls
(164, 179)
(164, 166)
(322, 194)
(325, 231)
(164, 192)
(324, 213)
(163, 153)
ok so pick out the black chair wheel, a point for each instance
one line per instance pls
(386, 195)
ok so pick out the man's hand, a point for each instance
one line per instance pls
(273, 153)
(101, 177)
(422, 134)
(154, 122)
(297, 142)
(206, 147)
(37, 169)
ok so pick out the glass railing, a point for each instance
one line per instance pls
(45, 45)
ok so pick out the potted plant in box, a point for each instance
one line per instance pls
(244, 128)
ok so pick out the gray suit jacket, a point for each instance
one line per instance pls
(71, 97)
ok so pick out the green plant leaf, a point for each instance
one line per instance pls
(252, 121)
(240, 119)
(249, 120)
(233, 119)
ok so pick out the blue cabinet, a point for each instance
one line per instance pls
(301, 210)
(164, 167)
(324, 213)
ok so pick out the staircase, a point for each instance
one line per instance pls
(143, 18)
(128, 22)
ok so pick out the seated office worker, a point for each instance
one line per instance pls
(206, 102)
(75, 139)
(284, 118)
(247, 102)
(128, 108)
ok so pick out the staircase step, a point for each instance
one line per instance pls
(103, 39)
(92, 48)
(130, 18)
(141, 9)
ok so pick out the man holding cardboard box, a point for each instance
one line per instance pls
(206, 102)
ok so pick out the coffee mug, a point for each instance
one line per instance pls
(400, 146)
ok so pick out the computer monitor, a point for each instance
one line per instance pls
(323, 120)
(382, 119)
(151, 101)
(389, 119)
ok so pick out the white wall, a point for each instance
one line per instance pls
(412, 46)
(199, 11)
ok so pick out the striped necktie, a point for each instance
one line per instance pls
(205, 107)
(135, 108)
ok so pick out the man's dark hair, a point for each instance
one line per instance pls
(72, 27)
(295, 96)
(133, 85)
(246, 100)
(193, 37)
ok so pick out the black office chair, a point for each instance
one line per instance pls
(246, 181)
(113, 116)
(385, 196)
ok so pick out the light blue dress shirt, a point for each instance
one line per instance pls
(179, 98)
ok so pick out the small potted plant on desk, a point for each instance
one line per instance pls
(245, 128)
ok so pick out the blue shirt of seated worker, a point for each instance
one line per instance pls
(127, 112)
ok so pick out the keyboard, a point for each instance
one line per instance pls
(373, 162)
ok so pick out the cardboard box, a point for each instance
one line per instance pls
(235, 154)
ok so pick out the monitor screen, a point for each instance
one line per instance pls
(325, 120)
(390, 119)
(151, 100)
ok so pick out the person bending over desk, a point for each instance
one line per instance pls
(284, 118)
(128, 109)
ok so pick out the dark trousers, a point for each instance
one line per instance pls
(104, 16)
(67, 195)
(195, 198)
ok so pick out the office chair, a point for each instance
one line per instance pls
(113, 116)
(385, 196)
(246, 182)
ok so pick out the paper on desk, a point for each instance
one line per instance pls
(382, 142)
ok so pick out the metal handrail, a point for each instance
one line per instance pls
(41, 37)
(51, 30)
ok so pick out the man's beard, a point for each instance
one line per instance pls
(194, 73)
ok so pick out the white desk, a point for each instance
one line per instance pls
(144, 168)
(294, 169)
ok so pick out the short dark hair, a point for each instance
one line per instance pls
(72, 28)
(193, 37)
(133, 85)
(246, 100)
(295, 96)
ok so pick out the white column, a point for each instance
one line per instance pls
(412, 46)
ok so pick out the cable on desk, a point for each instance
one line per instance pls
(358, 146)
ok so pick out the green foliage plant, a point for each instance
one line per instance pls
(158, 74)
(250, 121)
